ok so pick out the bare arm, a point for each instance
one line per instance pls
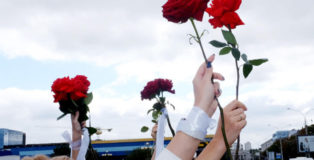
(153, 134)
(183, 145)
(76, 133)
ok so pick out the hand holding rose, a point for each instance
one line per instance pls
(204, 90)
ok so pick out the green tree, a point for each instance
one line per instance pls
(289, 145)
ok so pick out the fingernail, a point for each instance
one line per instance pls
(209, 64)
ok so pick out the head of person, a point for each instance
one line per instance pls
(37, 157)
(61, 158)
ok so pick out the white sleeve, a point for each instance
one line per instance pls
(167, 155)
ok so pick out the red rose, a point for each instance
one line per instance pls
(155, 87)
(61, 87)
(165, 85)
(81, 85)
(76, 88)
(223, 13)
(179, 11)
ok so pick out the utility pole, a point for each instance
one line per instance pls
(280, 139)
(281, 148)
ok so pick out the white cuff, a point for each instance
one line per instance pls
(76, 145)
(196, 124)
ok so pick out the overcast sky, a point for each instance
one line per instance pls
(121, 45)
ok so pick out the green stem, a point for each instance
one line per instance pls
(199, 39)
(224, 131)
(220, 108)
(237, 98)
(170, 126)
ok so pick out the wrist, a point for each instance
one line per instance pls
(76, 136)
(206, 109)
(75, 145)
(196, 123)
(219, 144)
(201, 107)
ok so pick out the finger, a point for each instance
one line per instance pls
(241, 117)
(242, 124)
(218, 76)
(217, 89)
(237, 112)
(211, 58)
(202, 69)
(199, 74)
(83, 124)
(241, 105)
(209, 70)
(234, 105)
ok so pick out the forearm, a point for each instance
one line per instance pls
(213, 151)
(153, 156)
(74, 154)
(183, 146)
(76, 136)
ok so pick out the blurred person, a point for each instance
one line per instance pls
(75, 144)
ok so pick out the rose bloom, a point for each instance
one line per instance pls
(155, 87)
(76, 88)
(223, 13)
(81, 85)
(179, 11)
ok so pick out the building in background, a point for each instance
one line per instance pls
(234, 146)
(244, 154)
(284, 134)
(11, 137)
(267, 144)
(247, 146)
(276, 136)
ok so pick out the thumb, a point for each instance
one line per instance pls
(209, 68)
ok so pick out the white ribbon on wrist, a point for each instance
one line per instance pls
(82, 145)
(196, 124)
(161, 131)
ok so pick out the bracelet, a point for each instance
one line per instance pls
(76, 145)
(196, 124)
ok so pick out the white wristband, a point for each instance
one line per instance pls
(196, 124)
(76, 145)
